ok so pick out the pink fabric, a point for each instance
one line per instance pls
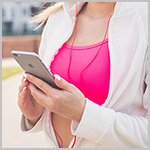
(95, 78)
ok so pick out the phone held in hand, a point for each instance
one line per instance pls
(32, 64)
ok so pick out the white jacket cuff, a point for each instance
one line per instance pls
(94, 123)
(29, 127)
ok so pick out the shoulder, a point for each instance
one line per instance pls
(143, 17)
(138, 11)
(142, 9)
(126, 8)
(53, 20)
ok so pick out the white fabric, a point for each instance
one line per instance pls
(122, 120)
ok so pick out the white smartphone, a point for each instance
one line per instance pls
(32, 64)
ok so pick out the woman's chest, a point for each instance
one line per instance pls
(88, 68)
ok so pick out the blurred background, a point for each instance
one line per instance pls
(17, 34)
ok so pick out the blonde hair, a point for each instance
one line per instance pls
(43, 16)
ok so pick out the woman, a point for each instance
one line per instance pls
(97, 52)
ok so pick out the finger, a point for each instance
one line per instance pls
(24, 74)
(22, 79)
(60, 82)
(22, 93)
(38, 95)
(46, 88)
(23, 85)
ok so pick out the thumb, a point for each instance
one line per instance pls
(63, 84)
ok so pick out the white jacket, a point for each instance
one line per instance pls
(122, 121)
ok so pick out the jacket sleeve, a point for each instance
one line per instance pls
(113, 129)
(29, 127)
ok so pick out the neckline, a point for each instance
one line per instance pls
(84, 47)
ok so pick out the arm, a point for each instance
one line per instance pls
(98, 124)
(110, 128)
(28, 126)
(113, 129)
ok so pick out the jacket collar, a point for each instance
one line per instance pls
(121, 8)
(71, 7)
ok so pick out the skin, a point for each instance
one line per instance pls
(69, 103)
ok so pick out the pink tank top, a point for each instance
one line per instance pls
(95, 78)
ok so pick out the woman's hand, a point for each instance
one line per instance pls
(29, 107)
(69, 102)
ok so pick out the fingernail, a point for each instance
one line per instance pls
(24, 88)
(57, 76)
(25, 80)
(24, 74)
